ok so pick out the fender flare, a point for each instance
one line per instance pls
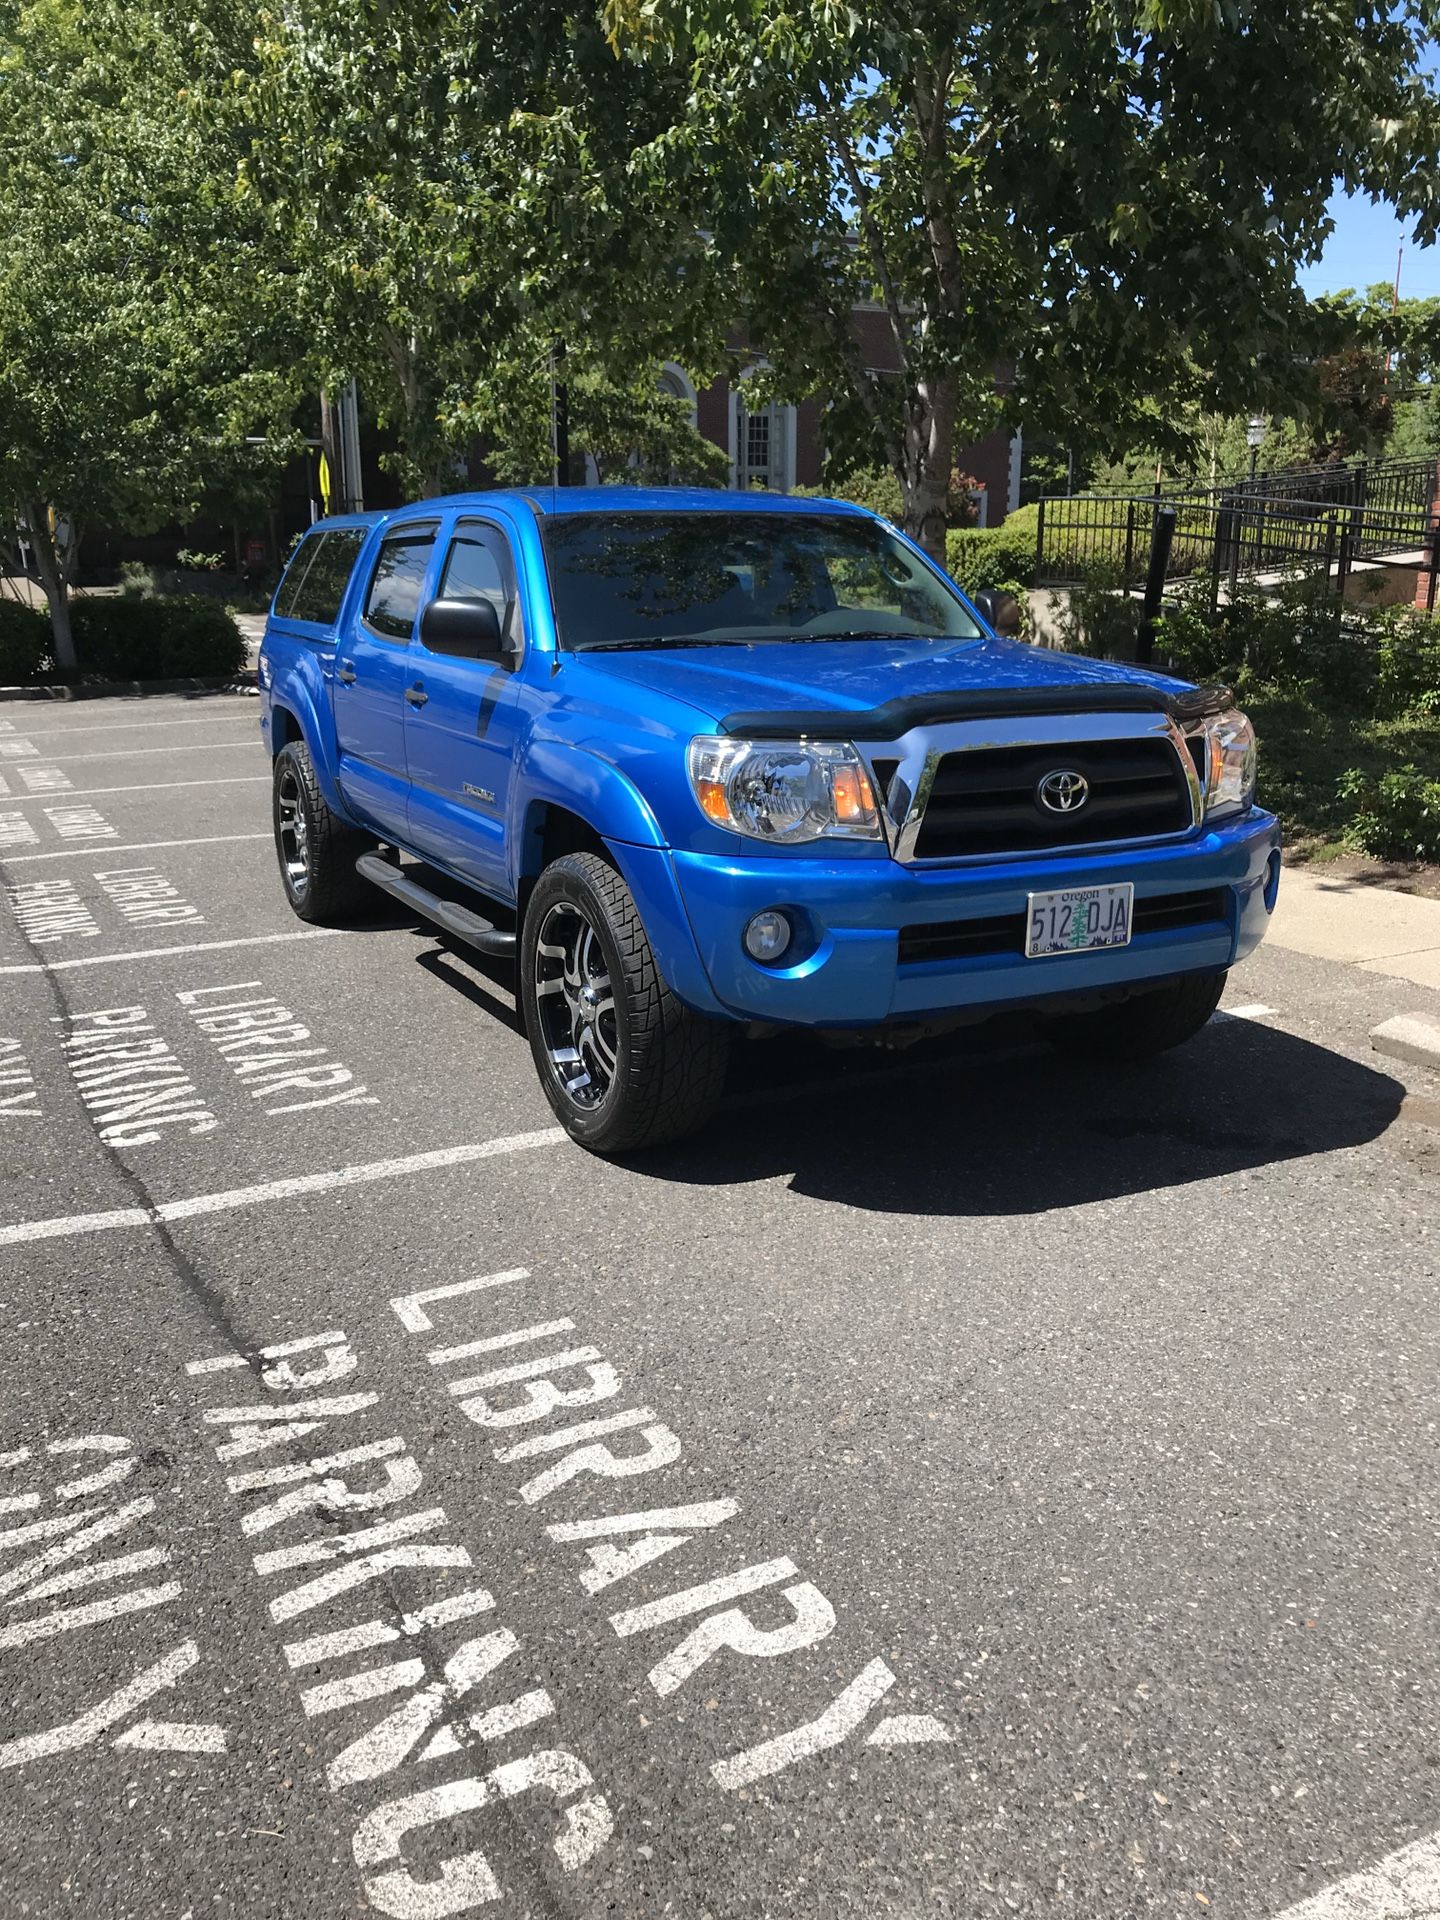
(303, 718)
(562, 774)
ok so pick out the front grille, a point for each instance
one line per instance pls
(987, 800)
(1004, 933)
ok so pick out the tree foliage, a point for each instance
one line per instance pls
(140, 344)
(1106, 202)
(460, 192)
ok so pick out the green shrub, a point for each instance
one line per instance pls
(24, 643)
(1097, 617)
(184, 637)
(1407, 677)
(1002, 556)
(1397, 817)
(876, 489)
(1303, 641)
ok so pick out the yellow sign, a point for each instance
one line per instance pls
(324, 484)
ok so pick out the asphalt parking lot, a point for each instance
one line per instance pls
(965, 1484)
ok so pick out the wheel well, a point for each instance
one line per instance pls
(284, 728)
(550, 833)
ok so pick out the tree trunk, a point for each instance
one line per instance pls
(54, 579)
(929, 456)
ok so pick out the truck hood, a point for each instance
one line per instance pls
(856, 676)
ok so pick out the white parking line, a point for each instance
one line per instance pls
(67, 1225)
(137, 846)
(146, 753)
(156, 953)
(244, 714)
(1403, 1886)
(158, 786)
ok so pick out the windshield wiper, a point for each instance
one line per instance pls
(658, 640)
(851, 633)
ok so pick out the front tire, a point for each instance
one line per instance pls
(317, 851)
(623, 1063)
(1146, 1024)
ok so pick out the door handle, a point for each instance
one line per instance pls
(345, 672)
(416, 695)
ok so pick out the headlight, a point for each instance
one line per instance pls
(784, 790)
(1230, 764)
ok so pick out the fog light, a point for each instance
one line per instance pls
(767, 936)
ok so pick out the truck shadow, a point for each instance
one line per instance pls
(994, 1122)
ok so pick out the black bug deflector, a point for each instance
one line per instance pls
(897, 717)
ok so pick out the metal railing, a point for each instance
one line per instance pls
(1358, 516)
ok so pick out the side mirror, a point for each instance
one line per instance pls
(1000, 608)
(466, 629)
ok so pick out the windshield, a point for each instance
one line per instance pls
(717, 579)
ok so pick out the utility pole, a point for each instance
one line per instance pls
(340, 444)
(352, 484)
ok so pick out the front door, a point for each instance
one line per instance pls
(374, 679)
(459, 745)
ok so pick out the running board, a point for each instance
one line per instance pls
(458, 920)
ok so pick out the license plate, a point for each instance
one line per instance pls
(1078, 920)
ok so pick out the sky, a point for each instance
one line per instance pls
(1361, 251)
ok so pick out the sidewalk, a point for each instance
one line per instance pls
(1371, 927)
(252, 629)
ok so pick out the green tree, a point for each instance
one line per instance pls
(140, 362)
(1106, 201)
(460, 192)
(635, 433)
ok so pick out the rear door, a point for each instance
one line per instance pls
(375, 676)
(460, 743)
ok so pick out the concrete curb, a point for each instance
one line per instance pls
(245, 682)
(1409, 1036)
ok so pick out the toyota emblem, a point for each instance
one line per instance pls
(1063, 791)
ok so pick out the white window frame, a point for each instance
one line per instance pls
(782, 416)
(672, 370)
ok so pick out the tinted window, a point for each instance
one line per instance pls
(478, 567)
(323, 588)
(300, 562)
(645, 578)
(396, 583)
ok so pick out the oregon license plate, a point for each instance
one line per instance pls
(1079, 920)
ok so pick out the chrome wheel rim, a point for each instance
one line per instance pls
(292, 831)
(575, 1005)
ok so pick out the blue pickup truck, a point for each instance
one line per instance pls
(708, 765)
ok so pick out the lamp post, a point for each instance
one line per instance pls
(1254, 437)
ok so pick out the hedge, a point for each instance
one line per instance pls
(24, 643)
(182, 637)
(1002, 556)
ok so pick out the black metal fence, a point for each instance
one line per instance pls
(1298, 522)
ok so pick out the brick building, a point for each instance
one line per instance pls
(783, 447)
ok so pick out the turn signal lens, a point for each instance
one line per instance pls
(854, 801)
(711, 795)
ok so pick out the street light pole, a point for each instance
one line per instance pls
(1254, 436)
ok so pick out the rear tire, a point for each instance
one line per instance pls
(317, 850)
(1148, 1023)
(623, 1063)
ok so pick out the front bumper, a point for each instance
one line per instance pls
(854, 911)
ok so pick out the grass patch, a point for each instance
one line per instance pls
(1306, 749)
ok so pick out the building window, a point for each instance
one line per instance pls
(762, 444)
(757, 448)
